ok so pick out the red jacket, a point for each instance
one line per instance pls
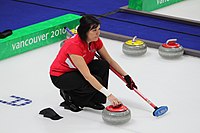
(73, 45)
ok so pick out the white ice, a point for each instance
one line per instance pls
(174, 83)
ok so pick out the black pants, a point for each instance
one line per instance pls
(80, 90)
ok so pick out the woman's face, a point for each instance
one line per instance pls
(93, 34)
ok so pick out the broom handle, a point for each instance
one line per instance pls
(120, 76)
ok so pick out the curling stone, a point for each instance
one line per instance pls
(134, 47)
(70, 33)
(116, 115)
(171, 49)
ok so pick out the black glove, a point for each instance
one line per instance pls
(129, 82)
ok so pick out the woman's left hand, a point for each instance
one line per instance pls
(129, 82)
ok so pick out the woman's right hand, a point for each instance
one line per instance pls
(114, 101)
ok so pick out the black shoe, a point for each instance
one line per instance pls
(70, 106)
(97, 106)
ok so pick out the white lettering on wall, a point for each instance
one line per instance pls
(162, 1)
(30, 41)
(38, 39)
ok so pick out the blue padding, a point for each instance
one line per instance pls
(151, 33)
(86, 6)
(160, 111)
(15, 15)
(156, 22)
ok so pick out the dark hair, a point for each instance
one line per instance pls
(87, 23)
